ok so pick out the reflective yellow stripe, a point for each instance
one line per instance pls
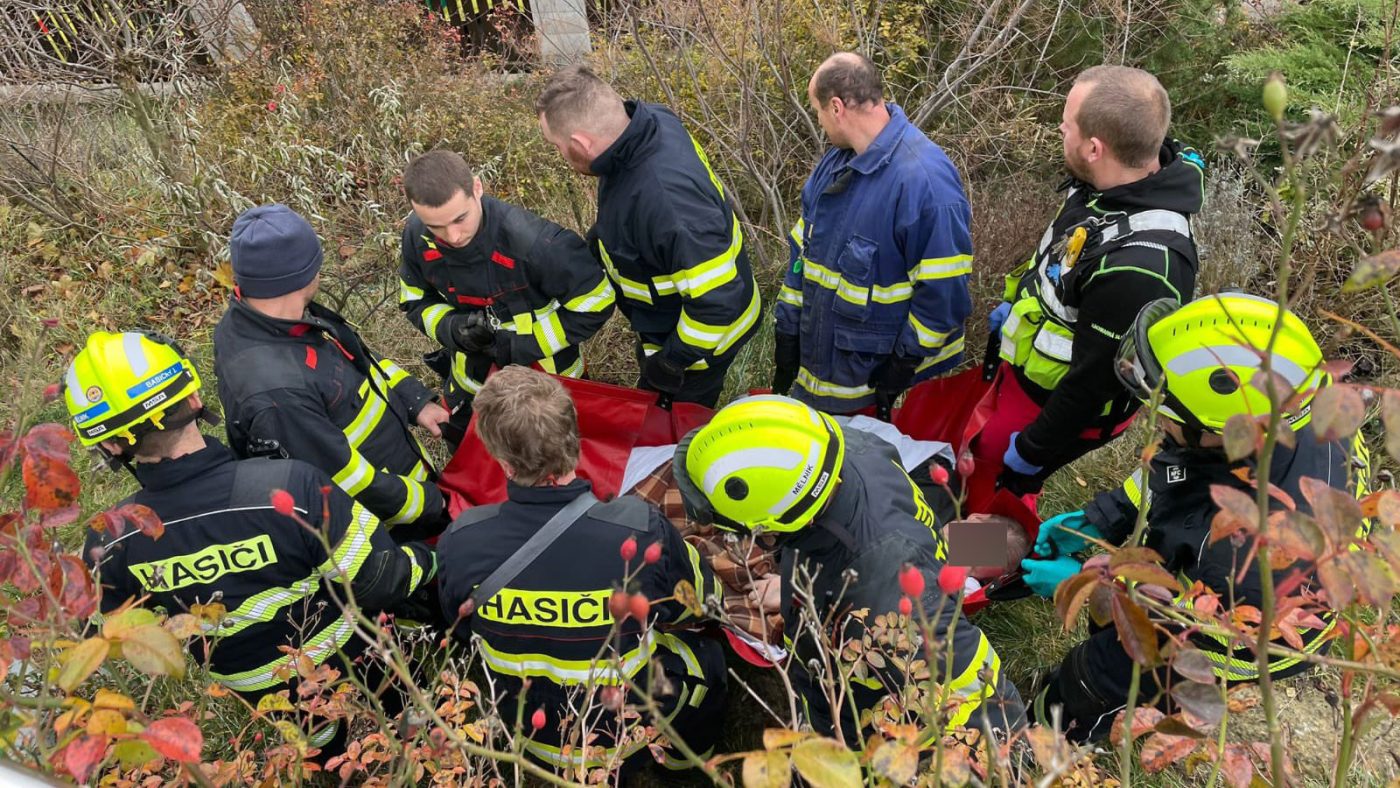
(796, 232)
(705, 160)
(697, 280)
(575, 369)
(820, 274)
(817, 386)
(355, 476)
(412, 504)
(323, 736)
(949, 350)
(263, 606)
(851, 294)
(317, 649)
(570, 671)
(681, 649)
(739, 328)
(460, 376)
(1132, 487)
(408, 292)
(788, 295)
(396, 374)
(969, 684)
(371, 412)
(928, 337)
(718, 338)
(892, 294)
(590, 756)
(432, 316)
(630, 288)
(354, 548)
(549, 333)
(595, 300)
(417, 574)
(944, 267)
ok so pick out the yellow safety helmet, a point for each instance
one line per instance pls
(119, 386)
(766, 462)
(1204, 356)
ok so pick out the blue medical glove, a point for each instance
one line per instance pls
(1013, 459)
(1054, 539)
(998, 317)
(1045, 576)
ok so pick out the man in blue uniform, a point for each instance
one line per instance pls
(876, 292)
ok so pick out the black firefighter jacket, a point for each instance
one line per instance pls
(224, 542)
(876, 522)
(1180, 511)
(313, 386)
(535, 278)
(551, 621)
(671, 243)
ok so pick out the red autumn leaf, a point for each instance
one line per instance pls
(73, 587)
(49, 484)
(1163, 750)
(1193, 664)
(1135, 631)
(1133, 555)
(1236, 767)
(1336, 512)
(1144, 718)
(7, 448)
(81, 756)
(1242, 436)
(175, 738)
(142, 519)
(1203, 701)
(1237, 512)
(108, 522)
(49, 441)
(1337, 412)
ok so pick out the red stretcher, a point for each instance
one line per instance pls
(614, 420)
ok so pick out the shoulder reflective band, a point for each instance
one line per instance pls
(1155, 219)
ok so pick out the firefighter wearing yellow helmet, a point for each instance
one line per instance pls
(1204, 359)
(839, 503)
(135, 396)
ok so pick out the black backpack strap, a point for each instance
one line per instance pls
(531, 550)
(254, 480)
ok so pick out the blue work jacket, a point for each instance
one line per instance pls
(880, 261)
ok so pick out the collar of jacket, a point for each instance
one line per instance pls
(1178, 186)
(316, 317)
(173, 473)
(883, 146)
(1214, 466)
(634, 143)
(553, 493)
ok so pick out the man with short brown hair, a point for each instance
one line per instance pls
(1121, 239)
(551, 615)
(492, 283)
(666, 233)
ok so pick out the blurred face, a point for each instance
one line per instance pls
(456, 221)
(1080, 153)
(830, 116)
(576, 148)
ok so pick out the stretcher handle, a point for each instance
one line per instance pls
(991, 360)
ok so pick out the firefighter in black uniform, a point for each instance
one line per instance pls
(666, 233)
(1203, 356)
(135, 397)
(839, 503)
(549, 622)
(295, 378)
(492, 283)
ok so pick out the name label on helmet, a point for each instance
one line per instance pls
(155, 380)
(207, 565)
(549, 608)
(802, 480)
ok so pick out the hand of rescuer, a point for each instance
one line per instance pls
(1064, 534)
(1045, 576)
(787, 357)
(998, 317)
(894, 375)
(473, 333)
(662, 374)
(432, 417)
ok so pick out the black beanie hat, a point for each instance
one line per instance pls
(274, 252)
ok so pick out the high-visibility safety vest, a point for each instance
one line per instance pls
(1038, 336)
(1180, 511)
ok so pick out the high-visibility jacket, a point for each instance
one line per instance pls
(314, 388)
(880, 262)
(876, 522)
(550, 623)
(671, 243)
(224, 542)
(1105, 256)
(534, 279)
(1179, 514)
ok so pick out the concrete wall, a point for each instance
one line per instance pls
(562, 26)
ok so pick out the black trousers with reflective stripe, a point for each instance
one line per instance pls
(1093, 681)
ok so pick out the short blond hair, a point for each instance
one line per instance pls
(1128, 109)
(527, 420)
(575, 97)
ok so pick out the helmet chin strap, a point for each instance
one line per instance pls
(116, 461)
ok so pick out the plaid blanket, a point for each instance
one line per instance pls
(738, 561)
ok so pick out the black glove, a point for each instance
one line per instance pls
(787, 357)
(473, 333)
(894, 375)
(660, 373)
(503, 351)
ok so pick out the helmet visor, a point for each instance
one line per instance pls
(1135, 365)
